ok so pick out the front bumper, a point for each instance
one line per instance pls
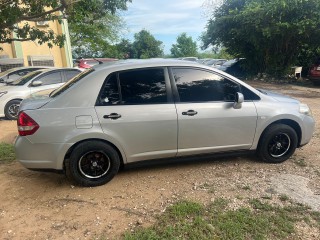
(307, 130)
(40, 155)
(2, 105)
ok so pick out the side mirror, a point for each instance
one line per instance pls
(239, 99)
(36, 83)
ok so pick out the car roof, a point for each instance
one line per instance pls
(143, 63)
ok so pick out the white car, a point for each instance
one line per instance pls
(138, 110)
(16, 73)
(14, 92)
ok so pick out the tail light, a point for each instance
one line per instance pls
(26, 125)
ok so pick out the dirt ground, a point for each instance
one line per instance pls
(35, 205)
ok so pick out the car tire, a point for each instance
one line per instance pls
(277, 143)
(92, 164)
(11, 109)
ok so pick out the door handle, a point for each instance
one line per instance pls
(190, 113)
(112, 116)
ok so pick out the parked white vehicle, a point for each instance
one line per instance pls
(14, 92)
(16, 73)
(131, 111)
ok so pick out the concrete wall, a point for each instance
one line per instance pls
(62, 56)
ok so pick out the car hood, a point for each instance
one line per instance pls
(279, 97)
(34, 103)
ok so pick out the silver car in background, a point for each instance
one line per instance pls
(137, 110)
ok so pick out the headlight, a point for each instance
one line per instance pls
(3, 93)
(304, 109)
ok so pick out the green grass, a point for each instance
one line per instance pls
(6, 153)
(300, 162)
(189, 220)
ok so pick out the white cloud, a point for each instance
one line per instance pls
(166, 18)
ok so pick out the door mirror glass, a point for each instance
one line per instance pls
(36, 83)
(239, 99)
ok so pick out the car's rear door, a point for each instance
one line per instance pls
(136, 111)
(207, 120)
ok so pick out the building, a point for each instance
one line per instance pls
(29, 53)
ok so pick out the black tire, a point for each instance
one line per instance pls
(11, 109)
(92, 164)
(277, 144)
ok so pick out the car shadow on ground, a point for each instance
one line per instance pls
(58, 179)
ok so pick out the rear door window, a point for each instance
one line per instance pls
(142, 86)
(50, 78)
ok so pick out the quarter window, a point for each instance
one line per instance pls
(196, 85)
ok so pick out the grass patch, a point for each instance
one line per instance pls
(189, 220)
(283, 198)
(7, 153)
(246, 187)
(300, 162)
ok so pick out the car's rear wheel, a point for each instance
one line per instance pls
(92, 163)
(278, 143)
(11, 109)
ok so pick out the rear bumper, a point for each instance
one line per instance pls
(40, 156)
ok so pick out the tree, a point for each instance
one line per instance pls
(146, 46)
(124, 49)
(16, 16)
(96, 39)
(268, 33)
(185, 47)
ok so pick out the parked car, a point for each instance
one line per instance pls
(14, 92)
(192, 59)
(314, 72)
(215, 62)
(15, 73)
(90, 62)
(235, 67)
(151, 109)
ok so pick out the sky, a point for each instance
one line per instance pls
(166, 19)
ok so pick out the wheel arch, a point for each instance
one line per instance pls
(68, 153)
(289, 122)
(18, 99)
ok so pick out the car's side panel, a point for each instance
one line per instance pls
(268, 114)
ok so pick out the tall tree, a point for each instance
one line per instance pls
(146, 46)
(96, 38)
(16, 15)
(185, 46)
(268, 33)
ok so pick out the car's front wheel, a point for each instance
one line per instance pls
(278, 143)
(92, 163)
(11, 109)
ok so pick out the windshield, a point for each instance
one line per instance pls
(6, 72)
(70, 83)
(23, 80)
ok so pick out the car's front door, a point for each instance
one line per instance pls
(136, 111)
(207, 120)
(50, 80)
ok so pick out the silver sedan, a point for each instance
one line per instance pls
(136, 110)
